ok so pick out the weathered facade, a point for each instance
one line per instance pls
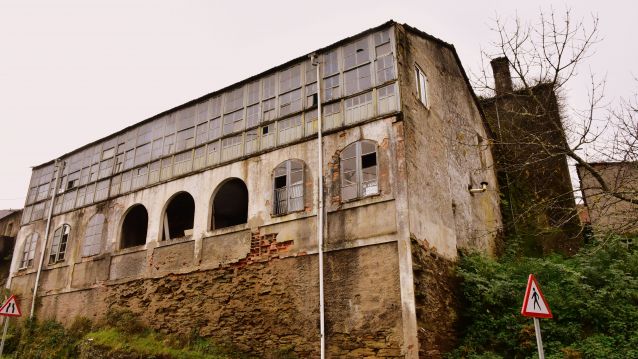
(539, 205)
(9, 226)
(204, 217)
(606, 213)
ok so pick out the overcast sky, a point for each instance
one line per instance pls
(72, 72)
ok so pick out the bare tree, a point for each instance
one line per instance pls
(533, 137)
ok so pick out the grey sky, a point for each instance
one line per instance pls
(75, 71)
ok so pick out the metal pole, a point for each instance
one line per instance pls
(4, 334)
(539, 340)
(59, 168)
(322, 329)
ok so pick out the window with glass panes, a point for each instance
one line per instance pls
(288, 187)
(59, 244)
(359, 170)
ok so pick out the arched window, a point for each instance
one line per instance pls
(58, 246)
(230, 205)
(288, 187)
(134, 227)
(359, 170)
(28, 251)
(179, 217)
(93, 236)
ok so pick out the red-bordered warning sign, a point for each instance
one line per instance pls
(10, 308)
(535, 304)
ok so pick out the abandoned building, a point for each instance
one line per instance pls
(606, 213)
(204, 218)
(539, 206)
(9, 226)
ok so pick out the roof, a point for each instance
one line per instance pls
(6, 212)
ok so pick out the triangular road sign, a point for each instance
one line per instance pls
(534, 304)
(10, 308)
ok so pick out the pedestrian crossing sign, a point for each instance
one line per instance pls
(10, 308)
(534, 304)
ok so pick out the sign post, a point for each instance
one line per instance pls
(535, 306)
(7, 310)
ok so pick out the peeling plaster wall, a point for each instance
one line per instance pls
(444, 154)
(255, 284)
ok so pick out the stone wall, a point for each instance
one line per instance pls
(437, 301)
(264, 304)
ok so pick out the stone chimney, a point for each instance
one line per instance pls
(502, 77)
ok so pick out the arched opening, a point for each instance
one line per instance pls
(134, 227)
(230, 205)
(179, 217)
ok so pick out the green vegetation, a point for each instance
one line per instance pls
(121, 335)
(593, 296)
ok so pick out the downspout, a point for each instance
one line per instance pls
(59, 167)
(320, 221)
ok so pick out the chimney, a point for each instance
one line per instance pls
(502, 77)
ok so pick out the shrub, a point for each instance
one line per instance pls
(593, 296)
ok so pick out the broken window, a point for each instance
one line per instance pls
(356, 53)
(93, 236)
(288, 187)
(58, 246)
(179, 217)
(359, 170)
(28, 251)
(134, 227)
(230, 205)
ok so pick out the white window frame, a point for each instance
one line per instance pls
(362, 187)
(59, 244)
(294, 192)
(28, 250)
(422, 86)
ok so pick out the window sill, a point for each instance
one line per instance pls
(361, 201)
(225, 230)
(135, 249)
(60, 264)
(272, 215)
(173, 241)
(92, 258)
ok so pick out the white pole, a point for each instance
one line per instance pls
(539, 340)
(59, 168)
(4, 334)
(322, 329)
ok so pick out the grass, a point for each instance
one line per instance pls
(148, 344)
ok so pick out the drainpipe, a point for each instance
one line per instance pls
(320, 220)
(478, 190)
(59, 167)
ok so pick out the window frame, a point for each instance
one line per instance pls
(91, 236)
(28, 250)
(57, 251)
(358, 171)
(422, 92)
(287, 167)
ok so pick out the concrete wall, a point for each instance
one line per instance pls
(607, 213)
(446, 152)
